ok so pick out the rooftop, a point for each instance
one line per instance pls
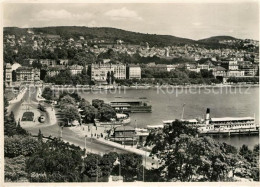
(124, 128)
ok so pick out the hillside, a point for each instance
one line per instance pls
(216, 39)
(104, 33)
(113, 34)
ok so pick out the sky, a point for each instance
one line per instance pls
(187, 20)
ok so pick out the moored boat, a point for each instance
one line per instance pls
(224, 125)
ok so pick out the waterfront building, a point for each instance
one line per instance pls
(249, 69)
(220, 71)
(99, 71)
(235, 73)
(125, 135)
(230, 65)
(8, 75)
(133, 71)
(27, 74)
(119, 71)
(76, 69)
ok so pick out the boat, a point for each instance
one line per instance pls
(123, 118)
(133, 106)
(223, 125)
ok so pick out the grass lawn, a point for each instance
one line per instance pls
(28, 116)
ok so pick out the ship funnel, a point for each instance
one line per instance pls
(207, 116)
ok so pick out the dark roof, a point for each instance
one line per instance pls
(124, 128)
(24, 68)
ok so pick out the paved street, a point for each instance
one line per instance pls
(93, 145)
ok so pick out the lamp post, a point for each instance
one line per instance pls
(86, 144)
(91, 139)
(61, 128)
(124, 136)
(144, 165)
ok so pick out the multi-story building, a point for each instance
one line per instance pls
(8, 75)
(99, 71)
(250, 70)
(235, 73)
(76, 69)
(119, 71)
(230, 65)
(133, 71)
(27, 74)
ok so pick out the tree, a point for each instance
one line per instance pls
(83, 103)
(48, 93)
(112, 77)
(13, 75)
(90, 113)
(108, 77)
(67, 100)
(186, 157)
(246, 153)
(70, 113)
(131, 167)
(15, 169)
(20, 145)
(11, 128)
(56, 161)
(91, 166)
(36, 64)
(97, 103)
(106, 112)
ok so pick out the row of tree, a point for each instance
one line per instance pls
(70, 103)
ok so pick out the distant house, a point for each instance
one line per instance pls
(53, 71)
(63, 61)
(53, 36)
(236, 73)
(75, 69)
(219, 71)
(157, 66)
(171, 67)
(48, 62)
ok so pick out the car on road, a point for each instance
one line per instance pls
(42, 118)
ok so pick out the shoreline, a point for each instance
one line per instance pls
(138, 87)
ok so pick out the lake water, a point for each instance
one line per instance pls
(167, 104)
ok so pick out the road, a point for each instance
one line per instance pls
(54, 130)
(93, 145)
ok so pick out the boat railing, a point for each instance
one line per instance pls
(233, 123)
